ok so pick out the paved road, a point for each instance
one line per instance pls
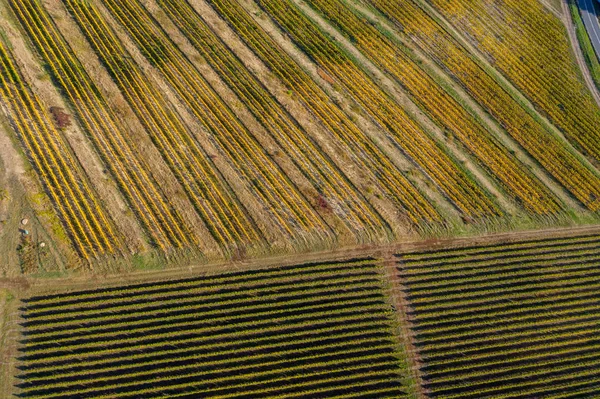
(589, 12)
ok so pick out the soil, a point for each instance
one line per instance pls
(555, 7)
(61, 118)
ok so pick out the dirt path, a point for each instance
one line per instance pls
(550, 7)
(570, 26)
(407, 337)
(38, 286)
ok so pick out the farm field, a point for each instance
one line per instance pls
(510, 317)
(298, 199)
(506, 320)
(306, 331)
(201, 131)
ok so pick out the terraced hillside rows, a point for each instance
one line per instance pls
(441, 106)
(85, 220)
(516, 320)
(530, 46)
(305, 331)
(418, 27)
(109, 134)
(429, 154)
(333, 186)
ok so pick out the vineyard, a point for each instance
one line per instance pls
(315, 165)
(220, 211)
(513, 320)
(216, 164)
(444, 109)
(368, 155)
(462, 191)
(76, 204)
(165, 226)
(565, 166)
(299, 199)
(306, 331)
(534, 55)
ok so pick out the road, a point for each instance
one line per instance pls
(579, 56)
(589, 12)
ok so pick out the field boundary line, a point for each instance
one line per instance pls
(406, 335)
(40, 286)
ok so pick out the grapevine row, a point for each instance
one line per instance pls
(534, 54)
(86, 222)
(164, 225)
(550, 151)
(306, 154)
(424, 150)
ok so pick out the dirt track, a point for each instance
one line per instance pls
(32, 286)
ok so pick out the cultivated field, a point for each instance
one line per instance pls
(307, 331)
(506, 320)
(195, 131)
(298, 199)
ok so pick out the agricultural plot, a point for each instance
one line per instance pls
(310, 144)
(515, 320)
(366, 153)
(293, 214)
(550, 151)
(219, 131)
(451, 178)
(222, 213)
(334, 187)
(535, 54)
(441, 106)
(85, 221)
(108, 133)
(305, 331)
